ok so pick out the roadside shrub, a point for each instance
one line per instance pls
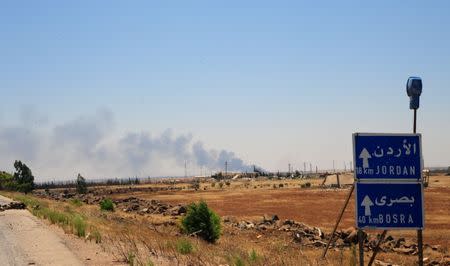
(131, 258)
(76, 202)
(202, 221)
(306, 185)
(253, 257)
(79, 225)
(107, 205)
(213, 184)
(95, 234)
(221, 184)
(56, 217)
(184, 246)
(238, 261)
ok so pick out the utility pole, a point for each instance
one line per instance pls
(185, 169)
(304, 167)
(334, 169)
(310, 168)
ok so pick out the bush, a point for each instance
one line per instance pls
(79, 225)
(184, 246)
(202, 221)
(95, 234)
(253, 257)
(306, 185)
(76, 202)
(107, 205)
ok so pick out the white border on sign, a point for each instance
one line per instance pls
(390, 180)
(390, 228)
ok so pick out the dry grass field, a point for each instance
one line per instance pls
(151, 238)
(315, 206)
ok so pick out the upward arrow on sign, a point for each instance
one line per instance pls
(365, 156)
(367, 203)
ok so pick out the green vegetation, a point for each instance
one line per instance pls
(107, 205)
(81, 185)
(238, 261)
(22, 180)
(76, 202)
(96, 235)
(202, 221)
(6, 180)
(79, 225)
(184, 246)
(130, 258)
(253, 257)
(23, 177)
(68, 219)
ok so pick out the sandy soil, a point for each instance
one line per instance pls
(26, 240)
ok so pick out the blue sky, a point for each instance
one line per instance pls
(274, 82)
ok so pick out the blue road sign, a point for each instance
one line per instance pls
(387, 156)
(389, 205)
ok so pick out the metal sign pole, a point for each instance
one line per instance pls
(377, 248)
(419, 232)
(361, 247)
(414, 90)
(338, 220)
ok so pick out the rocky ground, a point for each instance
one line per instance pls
(13, 205)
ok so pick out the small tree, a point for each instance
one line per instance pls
(81, 185)
(202, 221)
(23, 177)
(107, 205)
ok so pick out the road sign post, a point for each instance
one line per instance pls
(389, 189)
(388, 167)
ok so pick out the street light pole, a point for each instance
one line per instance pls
(414, 90)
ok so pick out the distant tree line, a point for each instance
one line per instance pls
(81, 183)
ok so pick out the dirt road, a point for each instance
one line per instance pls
(24, 240)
